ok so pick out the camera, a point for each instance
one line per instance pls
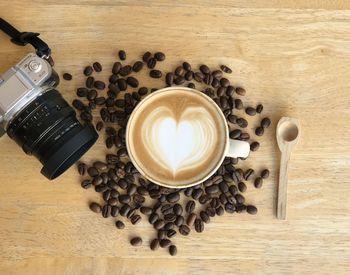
(35, 115)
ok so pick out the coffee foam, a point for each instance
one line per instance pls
(177, 137)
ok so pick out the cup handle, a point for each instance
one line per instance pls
(238, 149)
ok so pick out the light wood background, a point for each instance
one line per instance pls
(293, 56)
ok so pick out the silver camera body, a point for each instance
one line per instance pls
(21, 84)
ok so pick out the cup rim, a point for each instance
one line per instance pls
(134, 162)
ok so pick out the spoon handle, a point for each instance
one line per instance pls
(282, 184)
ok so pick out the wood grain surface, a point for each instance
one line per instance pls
(292, 56)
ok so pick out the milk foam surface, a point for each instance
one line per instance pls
(177, 137)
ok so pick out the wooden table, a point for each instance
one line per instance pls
(293, 57)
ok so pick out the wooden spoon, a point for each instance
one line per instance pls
(287, 134)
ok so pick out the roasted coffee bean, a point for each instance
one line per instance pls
(169, 225)
(131, 189)
(86, 116)
(179, 221)
(184, 230)
(97, 180)
(92, 94)
(173, 197)
(97, 67)
(86, 184)
(215, 202)
(224, 82)
(180, 71)
(223, 102)
(153, 218)
(188, 191)
(208, 78)
(161, 234)
(189, 75)
(242, 187)
(131, 212)
(231, 199)
(171, 233)
(124, 210)
(100, 100)
(141, 190)
(240, 208)
(244, 136)
(197, 193)
(240, 91)
(266, 122)
(112, 201)
(233, 189)
(179, 80)
(198, 76)
(146, 210)
(137, 241)
(101, 188)
(135, 219)
(109, 142)
(204, 199)
(265, 173)
(239, 198)
(243, 123)
(213, 189)
(204, 69)
(259, 131)
(119, 224)
(230, 208)
(220, 91)
(187, 66)
(220, 211)
(116, 68)
(169, 79)
(95, 207)
(142, 91)
(154, 244)
(159, 224)
(254, 146)
(82, 168)
(191, 85)
(125, 70)
(124, 198)
(82, 92)
(164, 243)
(235, 133)
(146, 56)
(100, 85)
(198, 225)
(78, 104)
(159, 56)
(191, 218)
(122, 152)
(151, 63)
(250, 111)
(204, 216)
(215, 83)
(251, 209)
(99, 165)
(110, 131)
(259, 108)
(236, 176)
(172, 250)
(178, 209)
(155, 73)
(137, 66)
(122, 55)
(113, 79)
(238, 104)
(210, 211)
(217, 74)
(114, 211)
(88, 70)
(132, 81)
(258, 182)
(248, 174)
(106, 211)
(92, 171)
(230, 91)
(225, 69)
(67, 76)
(232, 119)
(171, 217)
(166, 209)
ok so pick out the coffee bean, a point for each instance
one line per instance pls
(151, 63)
(116, 68)
(154, 244)
(146, 56)
(238, 104)
(95, 207)
(171, 233)
(106, 211)
(67, 76)
(259, 108)
(82, 168)
(198, 225)
(125, 70)
(242, 187)
(259, 131)
(232, 119)
(235, 133)
(225, 69)
(217, 74)
(204, 216)
(191, 218)
(240, 91)
(99, 165)
(173, 197)
(119, 224)
(114, 211)
(220, 211)
(184, 230)
(265, 173)
(146, 210)
(224, 82)
(198, 76)
(78, 104)
(252, 210)
(161, 234)
(248, 174)
(88, 71)
(241, 208)
(254, 146)
(159, 56)
(135, 219)
(204, 69)
(169, 79)
(169, 225)
(155, 74)
(230, 208)
(244, 136)
(97, 67)
(180, 71)
(137, 241)
(236, 176)
(153, 218)
(250, 111)
(164, 243)
(177, 209)
(179, 221)
(92, 171)
(241, 122)
(122, 55)
(124, 198)
(197, 193)
(82, 92)
(86, 184)
(172, 250)
(258, 182)
(179, 80)
(138, 65)
(213, 189)
(124, 210)
(89, 83)
(208, 78)
(100, 85)
(266, 122)
(210, 211)
(132, 81)
(159, 224)
(171, 217)
(187, 66)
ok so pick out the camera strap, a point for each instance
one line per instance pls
(23, 38)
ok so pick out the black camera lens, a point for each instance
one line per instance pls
(48, 129)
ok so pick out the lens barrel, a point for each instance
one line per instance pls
(48, 129)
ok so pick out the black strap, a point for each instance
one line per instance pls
(23, 38)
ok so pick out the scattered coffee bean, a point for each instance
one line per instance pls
(155, 74)
(137, 241)
(122, 55)
(204, 216)
(177, 208)
(242, 187)
(179, 80)
(135, 219)
(154, 244)
(259, 108)
(82, 92)
(241, 122)
(180, 71)
(95, 207)
(252, 210)
(151, 63)
(132, 81)
(259, 131)
(225, 69)
(169, 79)
(97, 67)
(191, 218)
(199, 225)
(240, 91)
(224, 82)
(172, 250)
(171, 233)
(258, 182)
(159, 224)
(88, 70)
(217, 74)
(164, 243)
(184, 230)
(82, 168)
(235, 133)
(100, 85)
(266, 122)
(86, 184)
(173, 197)
(138, 65)
(159, 56)
(186, 66)
(125, 70)
(250, 111)
(248, 174)
(119, 224)
(254, 146)
(67, 76)
(238, 104)
(146, 56)
(204, 69)
(220, 211)
(106, 211)
(265, 173)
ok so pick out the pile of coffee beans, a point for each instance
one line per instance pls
(130, 197)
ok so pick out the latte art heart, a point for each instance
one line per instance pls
(179, 144)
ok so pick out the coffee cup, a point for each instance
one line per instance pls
(178, 137)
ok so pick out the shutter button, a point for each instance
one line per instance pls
(34, 66)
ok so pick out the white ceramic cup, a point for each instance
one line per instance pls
(233, 148)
